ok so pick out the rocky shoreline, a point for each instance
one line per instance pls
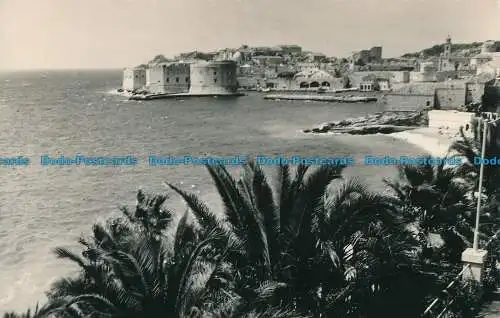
(378, 123)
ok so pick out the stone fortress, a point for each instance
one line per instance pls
(187, 78)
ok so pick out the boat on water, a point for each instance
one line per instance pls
(323, 90)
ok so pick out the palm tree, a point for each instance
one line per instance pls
(301, 247)
(434, 199)
(314, 245)
(139, 273)
(468, 149)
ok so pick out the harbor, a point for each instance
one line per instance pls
(246, 159)
(322, 98)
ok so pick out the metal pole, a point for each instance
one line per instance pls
(480, 191)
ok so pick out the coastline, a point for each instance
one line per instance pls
(434, 141)
(410, 127)
(181, 95)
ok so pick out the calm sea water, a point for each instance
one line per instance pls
(69, 112)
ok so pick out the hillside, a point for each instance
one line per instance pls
(463, 49)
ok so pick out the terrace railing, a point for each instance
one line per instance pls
(442, 305)
(439, 307)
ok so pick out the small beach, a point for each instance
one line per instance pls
(435, 141)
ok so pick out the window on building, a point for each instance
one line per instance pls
(215, 80)
(168, 79)
(177, 80)
(187, 79)
(215, 73)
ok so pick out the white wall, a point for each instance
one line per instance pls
(449, 118)
(133, 79)
(155, 79)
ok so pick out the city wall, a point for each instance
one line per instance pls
(450, 98)
(193, 78)
(134, 78)
(409, 103)
(168, 78)
(177, 78)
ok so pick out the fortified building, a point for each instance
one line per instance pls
(193, 78)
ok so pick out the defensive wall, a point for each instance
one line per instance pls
(197, 78)
(134, 78)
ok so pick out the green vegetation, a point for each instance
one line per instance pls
(313, 245)
(158, 59)
(468, 49)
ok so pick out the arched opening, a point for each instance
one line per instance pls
(314, 84)
(325, 84)
(304, 85)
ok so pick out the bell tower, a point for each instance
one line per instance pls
(447, 47)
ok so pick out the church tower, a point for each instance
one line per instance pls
(447, 47)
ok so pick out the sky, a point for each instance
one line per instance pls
(48, 34)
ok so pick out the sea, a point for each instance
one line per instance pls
(64, 113)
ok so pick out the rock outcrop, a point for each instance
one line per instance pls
(378, 123)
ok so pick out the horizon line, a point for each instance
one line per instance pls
(42, 69)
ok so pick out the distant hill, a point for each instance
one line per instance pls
(462, 49)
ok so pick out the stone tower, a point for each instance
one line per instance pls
(447, 47)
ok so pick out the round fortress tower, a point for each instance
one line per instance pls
(213, 78)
